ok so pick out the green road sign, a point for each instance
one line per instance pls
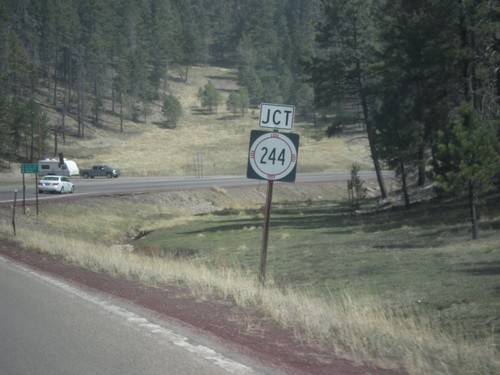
(29, 168)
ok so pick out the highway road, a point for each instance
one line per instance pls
(129, 185)
(48, 326)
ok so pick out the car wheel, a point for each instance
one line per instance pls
(62, 190)
(40, 191)
(72, 189)
(109, 175)
(85, 175)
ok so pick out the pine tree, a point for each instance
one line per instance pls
(418, 52)
(268, 56)
(232, 102)
(6, 135)
(467, 158)
(192, 42)
(244, 100)
(172, 109)
(398, 136)
(209, 97)
(19, 69)
(223, 24)
(479, 60)
(165, 36)
(357, 190)
(344, 70)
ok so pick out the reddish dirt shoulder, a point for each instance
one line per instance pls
(271, 344)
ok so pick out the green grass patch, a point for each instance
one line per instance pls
(421, 258)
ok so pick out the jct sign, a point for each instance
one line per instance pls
(276, 116)
(272, 156)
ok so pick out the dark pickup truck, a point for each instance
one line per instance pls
(100, 171)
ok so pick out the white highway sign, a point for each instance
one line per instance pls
(272, 156)
(276, 116)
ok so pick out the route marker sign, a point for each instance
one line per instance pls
(29, 168)
(276, 116)
(272, 156)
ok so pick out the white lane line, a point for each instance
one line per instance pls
(202, 351)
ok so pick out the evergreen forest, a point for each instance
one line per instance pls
(421, 77)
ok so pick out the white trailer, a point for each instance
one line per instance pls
(54, 167)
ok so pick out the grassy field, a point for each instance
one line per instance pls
(383, 284)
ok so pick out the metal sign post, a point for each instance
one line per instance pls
(265, 233)
(24, 196)
(14, 212)
(36, 193)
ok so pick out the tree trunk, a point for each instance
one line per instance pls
(55, 141)
(79, 111)
(113, 69)
(473, 212)
(376, 161)
(26, 146)
(70, 78)
(369, 131)
(78, 88)
(81, 103)
(121, 114)
(421, 166)
(405, 186)
(468, 64)
(39, 139)
(63, 125)
(96, 103)
(79, 106)
(55, 79)
(32, 141)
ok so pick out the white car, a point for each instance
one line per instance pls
(55, 184)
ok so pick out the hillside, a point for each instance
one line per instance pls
(220, 140)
